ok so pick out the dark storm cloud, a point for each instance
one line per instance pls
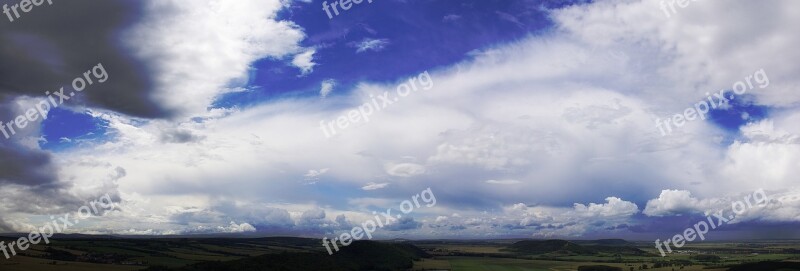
(20, 164)
(24, 166)
(48, 47)
(45, 49)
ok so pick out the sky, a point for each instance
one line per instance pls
(526, 119)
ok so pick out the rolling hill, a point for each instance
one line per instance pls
(563, 247)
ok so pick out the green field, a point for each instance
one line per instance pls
(22, 263)
(466, 256)
(501, 264)
(520, 255)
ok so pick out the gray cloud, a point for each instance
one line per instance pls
(179, 136)
(406, 223)
(44, 50)
(20, 165)
(52, 45)
(5, 227)
(24, 199)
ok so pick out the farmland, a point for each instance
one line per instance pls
(124, 254)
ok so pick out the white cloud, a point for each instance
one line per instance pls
(575, 221)
(181, 41)
(405, 169)
(305, 61)
(615, 207)
(764, 205)
(326, 87)
(374, 186)
(673, 202)
(723, 56)
(231, 228)
(368, 44)
(313, 175)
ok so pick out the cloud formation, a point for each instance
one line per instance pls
(553, 131)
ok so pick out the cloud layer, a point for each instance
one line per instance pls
(551, 135)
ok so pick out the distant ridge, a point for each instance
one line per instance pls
(557, 246)
(605, 242)
(549, 246)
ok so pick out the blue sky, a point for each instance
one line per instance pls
(408, 38)
(538, 119)
(425, 35)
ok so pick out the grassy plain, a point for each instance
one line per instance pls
(121, 254)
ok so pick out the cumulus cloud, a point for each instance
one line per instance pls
(231, 228)
(549, 221)
(180, 42)
(305, 61)
(311, 217)
(755, 206)
(671, 202)
(614, 207)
